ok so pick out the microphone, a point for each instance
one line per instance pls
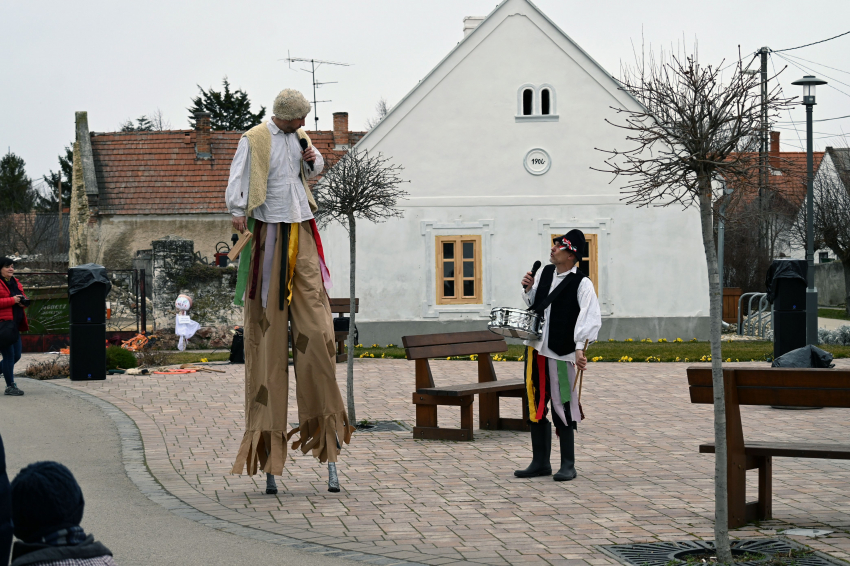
(534, 268)
(304, 146)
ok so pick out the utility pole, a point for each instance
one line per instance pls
(312, 70)
(59, 231)
(763, 152)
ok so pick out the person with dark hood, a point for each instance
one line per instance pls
(13, 321)
(47, 507)
(5, 510)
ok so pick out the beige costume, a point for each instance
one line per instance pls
(294, 268)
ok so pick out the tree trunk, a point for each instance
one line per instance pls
(349, 382)
(721, 487)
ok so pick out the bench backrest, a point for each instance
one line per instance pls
(344, 305)
(452, 344)
(789, 387)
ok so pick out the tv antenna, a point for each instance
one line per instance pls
(314, 64)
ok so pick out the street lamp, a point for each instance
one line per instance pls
(809, 83)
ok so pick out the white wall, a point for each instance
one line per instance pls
(457, 137)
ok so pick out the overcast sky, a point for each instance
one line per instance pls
(120, 60)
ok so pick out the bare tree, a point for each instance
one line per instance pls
(382, 110)
(831, 219)
(158, 122)
(360, 186)
(692, 130)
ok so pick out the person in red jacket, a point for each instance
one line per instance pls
(11, 308)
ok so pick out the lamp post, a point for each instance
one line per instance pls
(809, 83)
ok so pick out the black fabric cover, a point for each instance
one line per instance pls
(805, 357)
(82, 276)
(237, 347)
(784, 269)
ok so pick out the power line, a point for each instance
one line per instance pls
(816, 63)
(806, 69)
(812, 70)
(809, 44)
(823, 120)
(772, 64)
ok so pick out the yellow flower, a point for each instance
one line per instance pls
(596, 359)
(521, 358)
(374, 345)
(473, 357)
(384, 355)
(693, 339)
(660, 340)
(204, 360)
(678, 340)
(358, 345)
(686, 359)
(363, 355)
(677, 358)
(728, 359)
(629, 340)
(390, 345)
(610, 339)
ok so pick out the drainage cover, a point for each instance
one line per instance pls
(662, 553)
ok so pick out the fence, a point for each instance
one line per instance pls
(127, 310)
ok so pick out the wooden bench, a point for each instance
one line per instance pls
(787, 387)
(428, 397)
(342, 306)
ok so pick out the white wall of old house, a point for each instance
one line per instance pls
(463, 148)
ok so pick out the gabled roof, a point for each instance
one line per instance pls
(841, 161)
(503, 10)
(158, 172)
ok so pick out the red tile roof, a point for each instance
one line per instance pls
(158, 173)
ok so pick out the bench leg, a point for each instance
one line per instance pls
(488, 411)
(765, 502)
(426, 417)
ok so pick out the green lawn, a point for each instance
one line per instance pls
(743, 351)
(833, 313)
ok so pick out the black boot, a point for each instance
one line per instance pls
(568, 455)
(541, 446)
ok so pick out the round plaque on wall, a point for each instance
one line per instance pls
(537, 161)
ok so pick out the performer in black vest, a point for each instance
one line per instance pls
(571, 320)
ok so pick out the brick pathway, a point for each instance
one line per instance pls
(640, 476)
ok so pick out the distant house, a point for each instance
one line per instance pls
(131, 188)
(498, 141)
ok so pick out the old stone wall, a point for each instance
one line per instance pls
(114, 240)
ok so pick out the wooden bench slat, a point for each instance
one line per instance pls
(474, 388)
(784, 396)
(789, 450)
(464, 349)
(776, 377)
(343, 305)
(417, 341)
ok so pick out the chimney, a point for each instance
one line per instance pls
(202, 135)
(774, 144)
(470, 23)
(340, 130)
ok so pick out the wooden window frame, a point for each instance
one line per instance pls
(592, 259)
(458, 278)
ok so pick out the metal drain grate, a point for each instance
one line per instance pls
(377, 426)
(661, 553)
(383, 426)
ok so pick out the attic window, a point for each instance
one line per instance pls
(536, 103)
(527, 102)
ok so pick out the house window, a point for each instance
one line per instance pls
(527, 102)
(589, 259)
(544, 101)
(459, 270)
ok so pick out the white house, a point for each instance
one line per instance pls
(498, 143)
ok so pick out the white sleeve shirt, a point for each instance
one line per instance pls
(589, 319)
(286, 198)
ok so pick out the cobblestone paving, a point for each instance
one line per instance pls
(640, 476)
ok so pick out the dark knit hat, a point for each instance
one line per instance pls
(45, 499)
(572, 241)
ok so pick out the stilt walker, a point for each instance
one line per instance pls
(282, 281)
(566, 299)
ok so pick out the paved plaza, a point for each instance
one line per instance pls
(437, 502)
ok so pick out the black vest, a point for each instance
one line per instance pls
(564, 312)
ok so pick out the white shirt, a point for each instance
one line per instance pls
(286, 199)
(589, 318)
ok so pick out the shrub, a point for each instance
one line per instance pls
(49, 369)
(117, 357)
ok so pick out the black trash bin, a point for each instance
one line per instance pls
(786, 290)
